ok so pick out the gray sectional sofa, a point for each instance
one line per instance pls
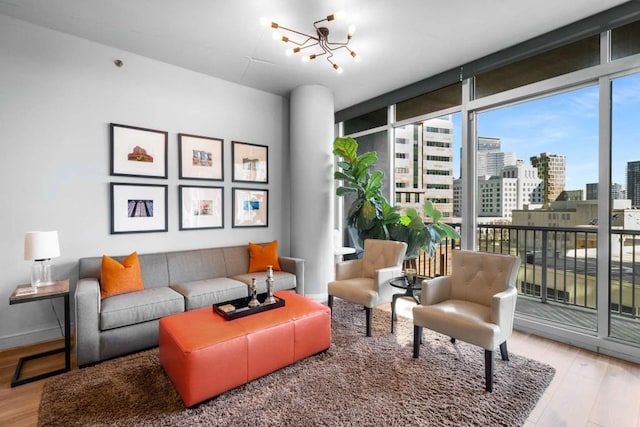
(174, 282)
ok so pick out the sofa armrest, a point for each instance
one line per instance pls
(503, 307)
(348, 269)
(294, 266)
(87, 307)
(435, 290)
(382, 276)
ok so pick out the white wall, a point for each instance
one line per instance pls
(58, 94)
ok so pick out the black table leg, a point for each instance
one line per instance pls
(67, 354)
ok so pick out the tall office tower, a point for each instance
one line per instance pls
(407, 168)
(486, 143)
(491, 163)
(437, 160)
(423, 168)
(633, 182)
(616, 191)
(552, 171)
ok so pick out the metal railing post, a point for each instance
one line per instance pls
(543, 266)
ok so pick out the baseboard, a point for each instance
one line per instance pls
(31, 337)
(322, 298)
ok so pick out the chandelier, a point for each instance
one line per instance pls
(320, 39)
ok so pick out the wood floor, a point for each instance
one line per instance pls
(588, 390)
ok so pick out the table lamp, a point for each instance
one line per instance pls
(41, 246)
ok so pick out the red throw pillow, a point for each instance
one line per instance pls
(119, 278)
(261, 256)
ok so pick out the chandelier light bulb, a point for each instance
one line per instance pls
(293, 51)
(338, 15)
(337, 68)
(267, 23)
(308, 58)
(355, 56)
(279, 37)
(352, 30)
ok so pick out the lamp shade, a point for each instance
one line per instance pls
(39, 245)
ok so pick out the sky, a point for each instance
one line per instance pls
(566, 124)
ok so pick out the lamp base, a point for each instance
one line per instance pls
(41, 273)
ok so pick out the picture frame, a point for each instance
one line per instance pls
(138, 151)
(138, 208)
(250, 162)
(250, 207)
(201, 207)
(200, 157)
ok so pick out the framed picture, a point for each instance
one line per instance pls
(200, 157)
(138, 151)
(250, 207)
(138, 208)
(250, 162)
(201, 207)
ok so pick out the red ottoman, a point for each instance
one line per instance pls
(205, 355)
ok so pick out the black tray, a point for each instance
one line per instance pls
(243, 310)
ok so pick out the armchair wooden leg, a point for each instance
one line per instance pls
(488, 370)
(369, 315)
(417, 340)
(503, 351)
(330, 303)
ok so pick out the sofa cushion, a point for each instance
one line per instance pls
(155, 272)
(201, 293)
(141, 306)
(281, 280)
(263, 255)
(193, 265)
(120, 277)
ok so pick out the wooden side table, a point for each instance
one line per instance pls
(21, 295)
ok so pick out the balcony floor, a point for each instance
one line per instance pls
(621, 327)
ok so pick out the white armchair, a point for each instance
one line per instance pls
(365, 281)
(475, 304)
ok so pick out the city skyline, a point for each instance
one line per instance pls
(566, 124)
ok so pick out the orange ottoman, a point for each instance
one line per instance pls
(205, 355)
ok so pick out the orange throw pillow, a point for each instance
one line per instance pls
(261, 256)
(119, 278)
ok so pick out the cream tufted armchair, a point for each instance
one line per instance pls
(365, 281)
(475, 304)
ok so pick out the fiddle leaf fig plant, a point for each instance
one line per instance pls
(370, 212)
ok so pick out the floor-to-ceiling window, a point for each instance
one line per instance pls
(531, 176)
(625, 213)
(535, 160)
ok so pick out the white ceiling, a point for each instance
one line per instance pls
(400, 42)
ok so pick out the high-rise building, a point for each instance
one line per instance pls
(437, 158)
(552, 171)
(423, 168)
(633, 182)
(491, 163)
(486, 143)
(616, 192)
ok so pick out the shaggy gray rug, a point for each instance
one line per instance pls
(358, 381)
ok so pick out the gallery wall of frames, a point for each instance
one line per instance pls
(141, 207)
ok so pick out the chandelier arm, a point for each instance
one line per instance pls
(308, 46)
(315, 24)
(344, 46)
(304, 43)
(309, 37)
(337, 44)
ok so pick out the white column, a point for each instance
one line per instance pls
(312, 123)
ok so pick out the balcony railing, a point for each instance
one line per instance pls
(559, 269)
